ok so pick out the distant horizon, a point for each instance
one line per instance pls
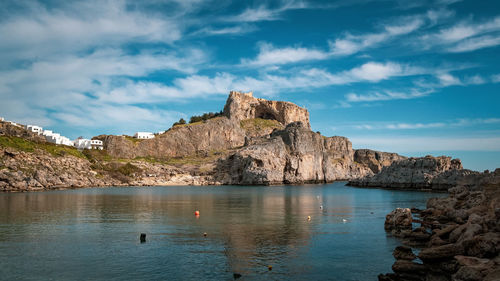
(411, 77)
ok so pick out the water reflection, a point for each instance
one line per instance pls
(63, 233)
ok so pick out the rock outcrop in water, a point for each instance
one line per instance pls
(437, 173)
(460, 235)
(376, 160)
(293, 155)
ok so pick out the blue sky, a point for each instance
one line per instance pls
(413, 77)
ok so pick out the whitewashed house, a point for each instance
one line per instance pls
(47, 133)
(144, 135)
(96, 144)
(83, 144)
(34, 129)
(2, 119)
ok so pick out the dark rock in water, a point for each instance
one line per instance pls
(464, 244)
(236, 276)
(143, 237)
(403, 253)
(399, 219)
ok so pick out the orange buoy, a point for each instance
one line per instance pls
(196, 213)
(270, 267)
(308, 218)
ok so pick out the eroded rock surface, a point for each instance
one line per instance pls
(293, 155)
(464, 236)
(437, 173)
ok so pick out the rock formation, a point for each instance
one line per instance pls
(376, 160)
(219, 133)
(293, 155)
(460, 235)
(242, 106)
(437, 173)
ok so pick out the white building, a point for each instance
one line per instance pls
(14, 124)
(144, 135)
(47, 133)
(34, 129)
(82, 144)
(2, 119)
(96, 144)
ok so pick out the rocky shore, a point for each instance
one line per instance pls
(458, 236)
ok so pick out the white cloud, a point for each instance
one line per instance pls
(269, 55)
(350, 44)
(464, 37)
(495, 78)
(265, 13)
(376, 71)
(463, 122)
(78, 26)
(475, 44)
(418, 144)
(387, 95)
(447, 79)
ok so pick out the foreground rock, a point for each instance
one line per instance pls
(463, 241)
(293, 155)
(436, 173)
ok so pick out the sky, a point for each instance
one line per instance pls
(415, 77)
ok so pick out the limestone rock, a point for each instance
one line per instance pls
(242, 106)
(293, 155)
(437, 173)
(376, 160)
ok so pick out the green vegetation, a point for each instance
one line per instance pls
(259, 124)
(134, 140)
(204, 117)
(180, 122)
(97, 155)
(30, 146)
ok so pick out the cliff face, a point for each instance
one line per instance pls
(214, 134)
(376, 160)
(221, 133)
(293, 155)
(438, 173)
(242, 106)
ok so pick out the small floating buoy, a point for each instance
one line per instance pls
(236, 276)
(308, 218)
(205, 234)
(196, 213)
(344, 220)
(143, 237)
(270, 267)
(321, 207)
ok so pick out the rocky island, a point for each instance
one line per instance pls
(252, 142)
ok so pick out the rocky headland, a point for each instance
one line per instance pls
(434, 173)
(456, 238)
(252, 141)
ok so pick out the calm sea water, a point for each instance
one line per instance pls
(93, 234)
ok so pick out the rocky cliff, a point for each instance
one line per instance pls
(242, 113)
(437, 173)
(376, 160)
(460, 235)
(242, 106)
(293, 155)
